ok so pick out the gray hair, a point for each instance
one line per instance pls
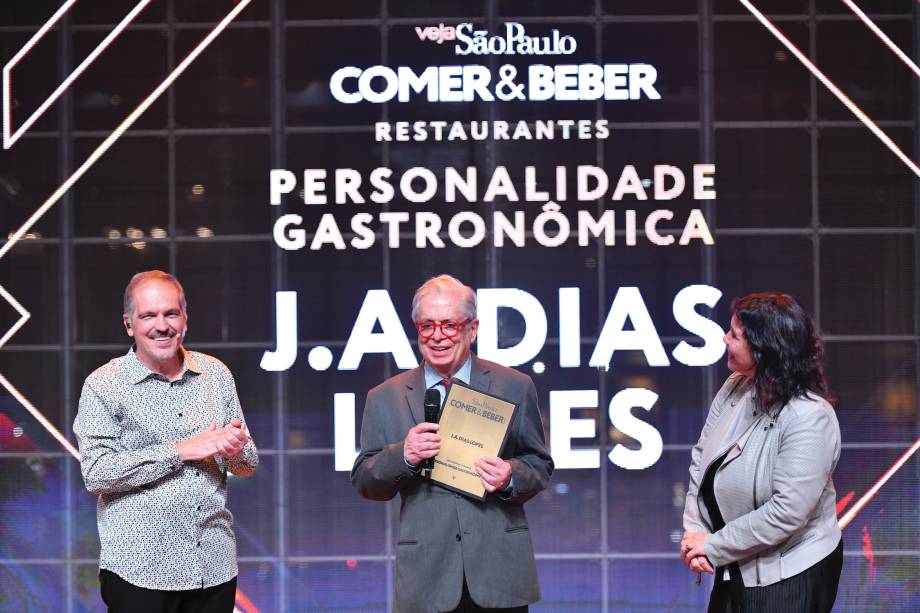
(151, 275)
(446, 283)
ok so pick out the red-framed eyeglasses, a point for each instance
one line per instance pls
(449, 329)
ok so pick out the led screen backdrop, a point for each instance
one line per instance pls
(607, 174)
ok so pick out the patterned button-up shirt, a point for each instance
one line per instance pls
(163, 523)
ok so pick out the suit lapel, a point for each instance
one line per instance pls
(480, 375)
(415, 394)
(732, 432)
(736, 449)
(480, 379)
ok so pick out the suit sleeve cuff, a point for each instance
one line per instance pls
(415, 469)
(710, 547)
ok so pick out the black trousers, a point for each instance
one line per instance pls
(467, 605)
(811, 591)
(123, 597)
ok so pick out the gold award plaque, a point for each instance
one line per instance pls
(473, 424)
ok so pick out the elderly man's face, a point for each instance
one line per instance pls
(158, 322)
(445, 352)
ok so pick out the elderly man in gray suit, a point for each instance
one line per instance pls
(454, 553)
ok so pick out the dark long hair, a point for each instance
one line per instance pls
(787, 351)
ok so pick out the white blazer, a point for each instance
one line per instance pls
(774, 488)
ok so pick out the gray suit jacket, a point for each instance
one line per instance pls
(442, 535)
(774, 489)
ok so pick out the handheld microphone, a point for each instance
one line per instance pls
(432, 415)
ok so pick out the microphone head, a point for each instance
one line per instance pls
(432, 405)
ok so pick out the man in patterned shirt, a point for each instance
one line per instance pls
(158, 429)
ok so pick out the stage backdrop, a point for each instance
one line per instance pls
(607, 174)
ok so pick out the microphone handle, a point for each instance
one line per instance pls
(428, 465)
(431, 416)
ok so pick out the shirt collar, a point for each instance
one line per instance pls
(432, 378)
(136, 371)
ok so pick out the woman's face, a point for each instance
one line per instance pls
(740, 358)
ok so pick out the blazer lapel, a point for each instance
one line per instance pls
(480, 375)
(718, 440)
(480, 379)
(732, 432)
(735, 449)
(755, 422)
(415, 394)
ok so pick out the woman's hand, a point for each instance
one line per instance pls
(700, 565)
(693, 553)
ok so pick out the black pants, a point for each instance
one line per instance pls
(811, 591)
(467, 605)
(123, 597)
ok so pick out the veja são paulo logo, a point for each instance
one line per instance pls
(537, 82)
(514, 40)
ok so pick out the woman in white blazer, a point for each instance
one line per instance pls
(760, 509)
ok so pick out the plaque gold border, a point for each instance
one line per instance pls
(447, 398)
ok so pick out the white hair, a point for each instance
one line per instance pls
(446, 283)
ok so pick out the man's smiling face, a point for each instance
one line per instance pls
(158, 322)
(445, 353)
